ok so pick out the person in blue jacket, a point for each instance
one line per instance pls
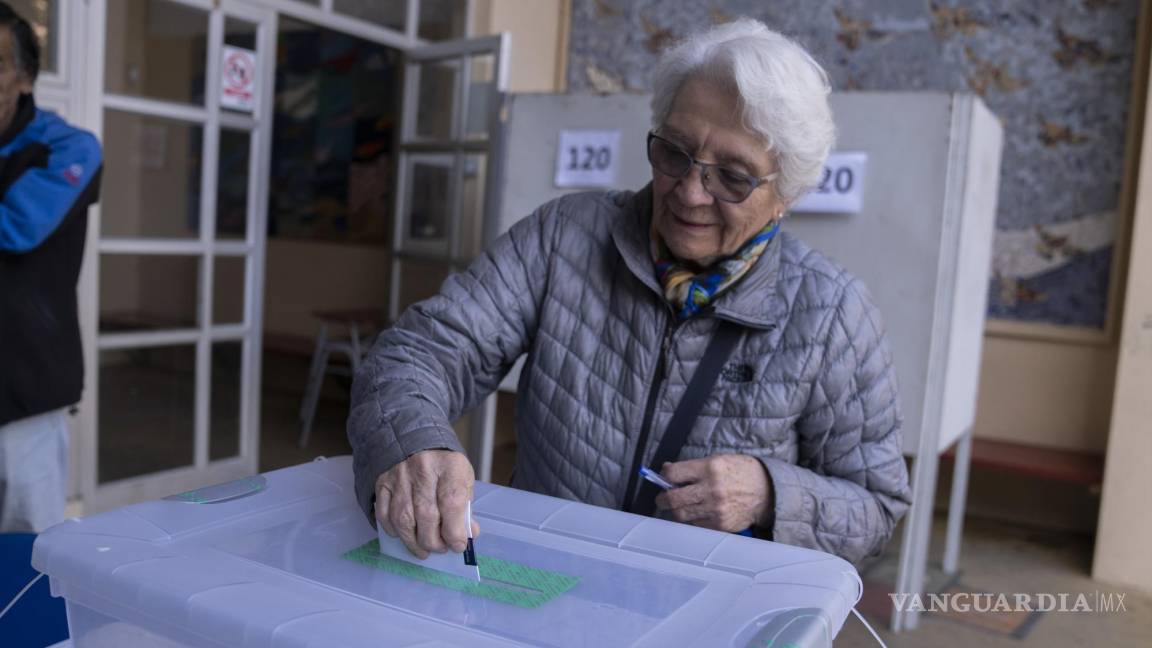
(49, 175)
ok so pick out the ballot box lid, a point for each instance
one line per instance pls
(264, 561)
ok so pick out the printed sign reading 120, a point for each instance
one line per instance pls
(594, 157)
(841, 186)
(587, 158)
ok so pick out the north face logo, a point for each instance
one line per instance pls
(733, 372)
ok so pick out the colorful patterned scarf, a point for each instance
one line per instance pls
(688, 290)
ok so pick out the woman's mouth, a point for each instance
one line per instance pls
(690, 224)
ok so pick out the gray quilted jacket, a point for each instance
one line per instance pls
(809, 390)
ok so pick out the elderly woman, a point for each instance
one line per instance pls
(616, 299)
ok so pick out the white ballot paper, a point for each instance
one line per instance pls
(451, 562)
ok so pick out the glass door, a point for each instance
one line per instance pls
(451, 100)
(185, 88)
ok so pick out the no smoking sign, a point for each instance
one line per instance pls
(238, 79)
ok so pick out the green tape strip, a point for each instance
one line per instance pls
(502, 581)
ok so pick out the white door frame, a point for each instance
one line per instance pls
(211, 118)
(452, 150)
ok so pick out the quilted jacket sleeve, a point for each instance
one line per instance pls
(850, 484)
(447, 353)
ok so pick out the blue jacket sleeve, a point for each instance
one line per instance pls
(37, 202)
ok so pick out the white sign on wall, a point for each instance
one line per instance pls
(841, 187)
(238, 78)
(587, 158)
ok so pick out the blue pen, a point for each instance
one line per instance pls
(655, 478)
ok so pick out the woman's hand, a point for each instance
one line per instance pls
(724, 492)
(423, 500)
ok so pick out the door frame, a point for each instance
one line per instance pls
(455, 149)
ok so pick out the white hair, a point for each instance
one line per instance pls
(782, 90)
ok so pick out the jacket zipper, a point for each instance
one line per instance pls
(649, 413)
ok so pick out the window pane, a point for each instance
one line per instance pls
(239, 33)
(43, 16)
(228, 290)
(420, 280)
(387, 13)
(224, 434)
(442, 19)
(232, 184)
(472, 205)
(152, 177)
(428, 208)
(141, 292)
(336, 110)
(481, 95)
(156, 49)
(147, 409)
(436, 88)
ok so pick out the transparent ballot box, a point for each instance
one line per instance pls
(288, 559)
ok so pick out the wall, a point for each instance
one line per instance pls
(1125, 529)
(303, 276)
(1058, 76)
(1046, 393)
(539, 30)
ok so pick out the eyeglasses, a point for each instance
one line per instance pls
(724, 184)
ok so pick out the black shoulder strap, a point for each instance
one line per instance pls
(719, 348)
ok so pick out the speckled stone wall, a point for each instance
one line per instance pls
(1056, 72)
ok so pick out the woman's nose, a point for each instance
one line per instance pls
(691, 188)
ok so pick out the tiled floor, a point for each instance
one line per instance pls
(1003, 558)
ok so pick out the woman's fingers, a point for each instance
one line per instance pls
(428, 519)
(402, 515)
(686, 472)
(423, 501)
(383, 503)
(724, 492)
(453, 494)
(686, 504)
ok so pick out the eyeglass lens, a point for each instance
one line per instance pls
(674, 161)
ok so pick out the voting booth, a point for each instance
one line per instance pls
(907, 203)
(288, 559)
